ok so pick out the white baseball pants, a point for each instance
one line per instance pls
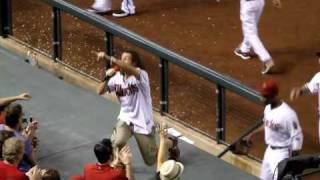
(102, 5)
(128, 6)
(106, 5)
(250, 12)
(271, 159)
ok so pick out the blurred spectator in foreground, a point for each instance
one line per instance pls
(5, 101)
(13, 150)
(37, 173)
(110, 166)
(50, 174)
(13, 123)
(4, 135)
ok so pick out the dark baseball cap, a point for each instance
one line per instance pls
(318, 54)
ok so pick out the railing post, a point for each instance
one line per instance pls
(220, 114)
(164, 86)
(57, 39)
(6, 18)
(109, 46)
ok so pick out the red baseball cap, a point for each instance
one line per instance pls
(269, 87)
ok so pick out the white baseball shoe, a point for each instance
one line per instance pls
(268, 67)
(121, 13)
(97, 11)
(243, 55)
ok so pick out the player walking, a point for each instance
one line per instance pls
(311, 87)
(283, 134)
(104, 6)
(250, 12)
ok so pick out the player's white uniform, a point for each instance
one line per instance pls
(282, 135)
(314, 87)
(250, 12)
(106, 5)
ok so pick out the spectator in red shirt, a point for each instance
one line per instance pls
(13, 150)
(102, 170)
(7, 100)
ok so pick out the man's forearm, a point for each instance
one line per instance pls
(129, 69)
(161, 154)
(7, 100)
(129, 172)
(102, 88)
(259, 129)
(304, 90)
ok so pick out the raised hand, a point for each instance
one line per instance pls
(126, 155)
(34, 173)
(295, 93)
(24, 96)
(163, 132)
(101, 55)
(110, 72)
(31, 129)
(277, 3)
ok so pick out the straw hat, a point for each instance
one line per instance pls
(171, 170)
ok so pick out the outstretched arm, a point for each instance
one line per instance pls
(163, 147)
(128, 69)
(102, 87)
(259, 129)
(7, 100)
(299, 91)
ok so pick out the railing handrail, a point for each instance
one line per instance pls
(186, 63)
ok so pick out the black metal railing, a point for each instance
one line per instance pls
(6, 18)
(166, 56)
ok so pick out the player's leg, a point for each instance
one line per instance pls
(148, 147)
(245, 45)
(259, 13)
(251, 33)
(101, 6)
(121, 134)
(277, 156)
(266, 173)
(243, 50)
(127, 8)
